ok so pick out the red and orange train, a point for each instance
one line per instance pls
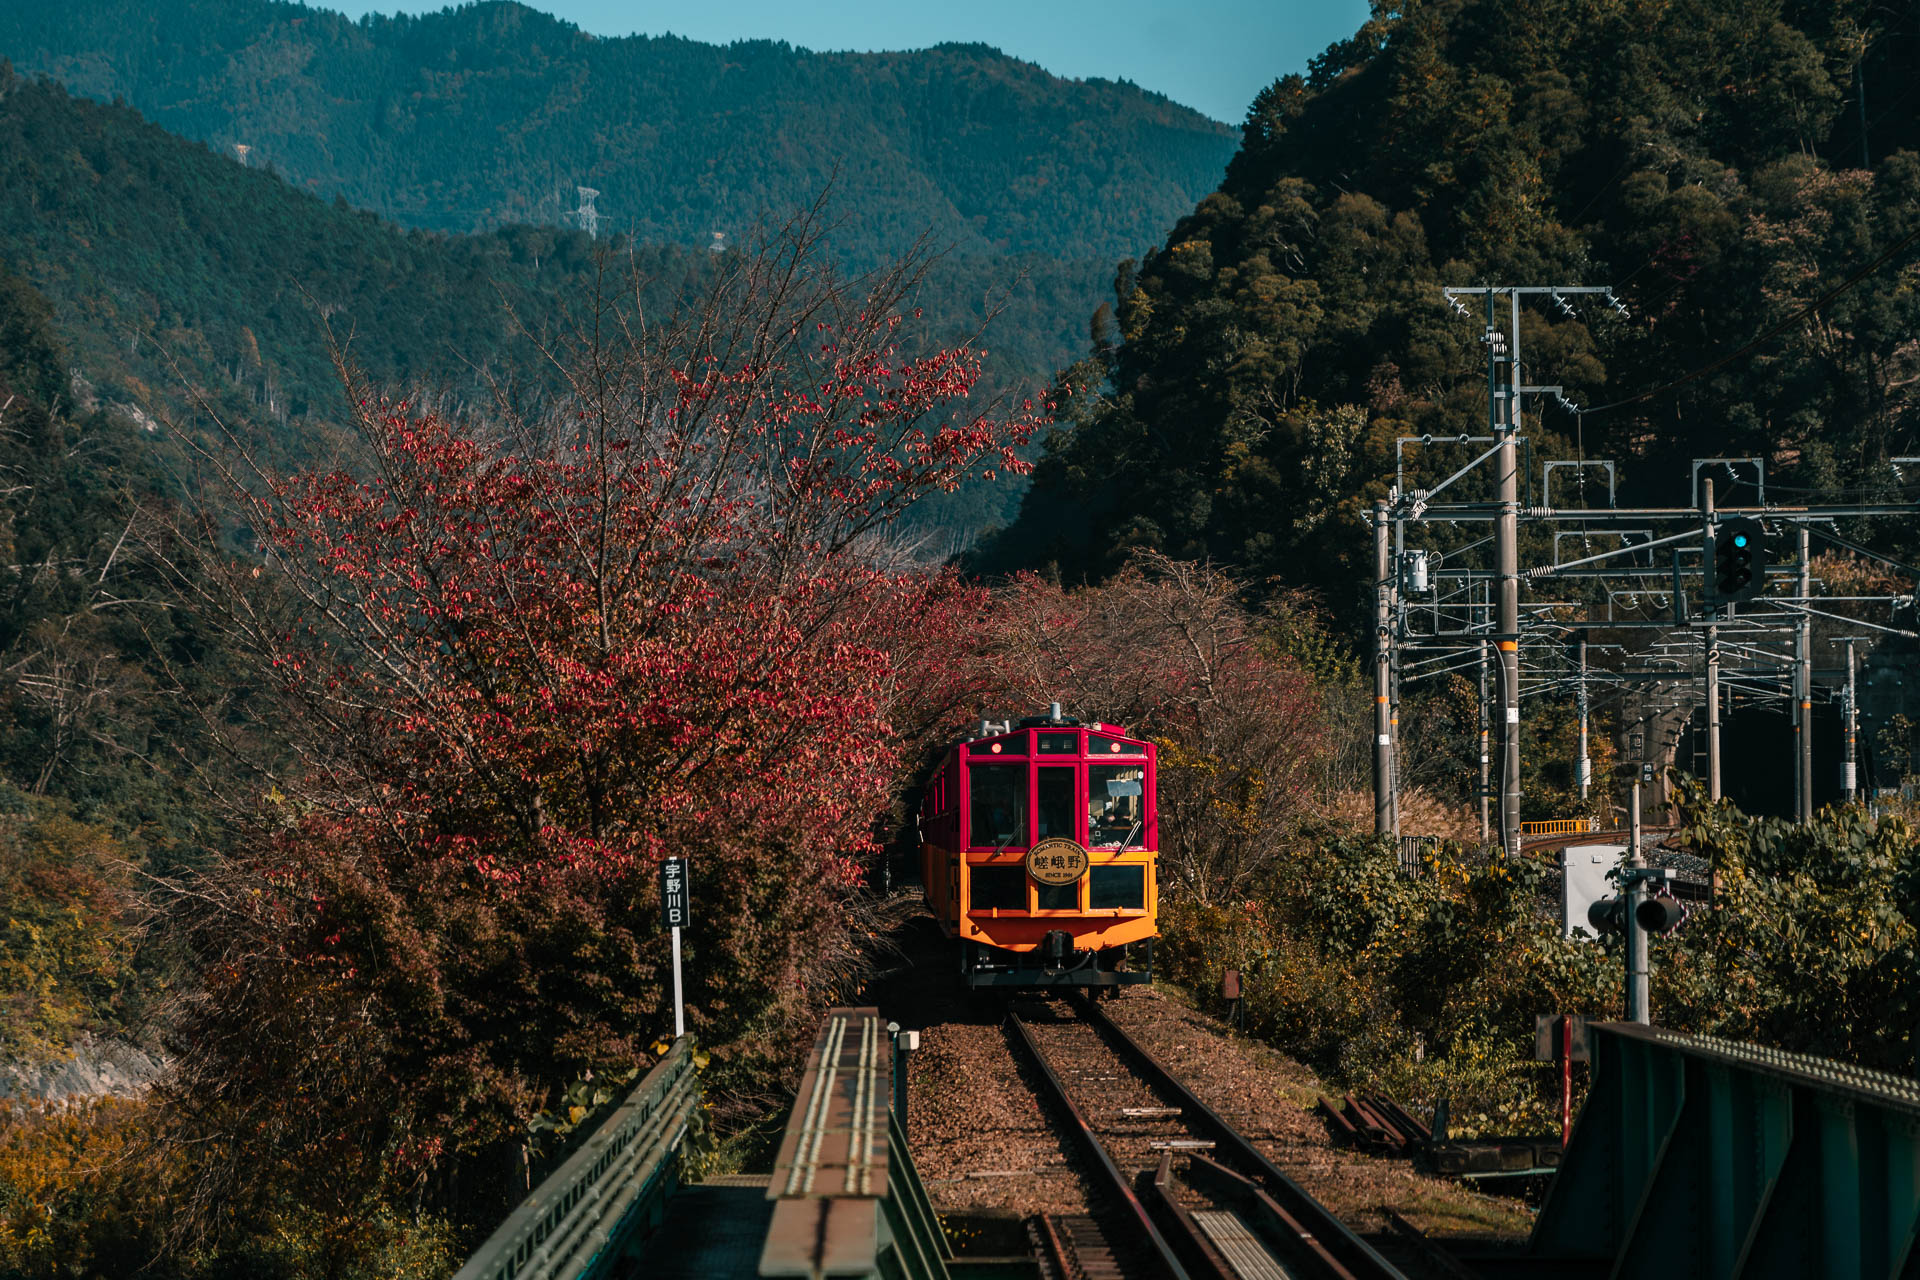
(1037, 849)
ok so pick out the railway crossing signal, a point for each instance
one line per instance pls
(1654, 914)
(1739, 554)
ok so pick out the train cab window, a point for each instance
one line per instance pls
(1117, 888)
(1056, 897)
(1059, 744)
(1004, 888)
(1098, 744)
(1056, 798)
(998, 813)
(1116, 798)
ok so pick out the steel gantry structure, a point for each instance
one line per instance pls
(1633, 586)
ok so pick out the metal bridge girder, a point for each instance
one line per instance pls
(1702, 1157)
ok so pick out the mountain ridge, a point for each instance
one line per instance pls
(492, 113)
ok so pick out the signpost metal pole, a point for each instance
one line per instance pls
(679, 1001)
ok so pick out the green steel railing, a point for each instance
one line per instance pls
(579, 1221)
(1725, 1161)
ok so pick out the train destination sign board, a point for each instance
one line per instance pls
(1056, 861)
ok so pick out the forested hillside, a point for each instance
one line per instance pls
(1723, 164)
(492, 113)
(176, 272)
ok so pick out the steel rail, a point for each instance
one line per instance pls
(1111, 1179)
(1354, 1254)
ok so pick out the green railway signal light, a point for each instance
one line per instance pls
(1738, 560)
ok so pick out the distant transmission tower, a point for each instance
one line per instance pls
(242, 150)
(588, 215)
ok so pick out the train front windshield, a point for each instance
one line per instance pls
(1116, 805)
(999, 810)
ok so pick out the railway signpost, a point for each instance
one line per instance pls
(675, 912)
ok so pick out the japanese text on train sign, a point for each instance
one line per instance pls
(1056, 862)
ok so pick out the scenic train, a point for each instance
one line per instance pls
(1037, 844)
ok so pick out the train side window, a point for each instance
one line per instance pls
(1002, 888)
(1117, 888)
(1056, 897)
(1056, 803)
(1116, 796)
(998, 812)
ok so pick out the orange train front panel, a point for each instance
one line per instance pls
(1113, 903)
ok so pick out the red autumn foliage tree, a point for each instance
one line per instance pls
(532, 657)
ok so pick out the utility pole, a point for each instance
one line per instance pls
(1507, 560)
(1850, 775)
(1803, 688)
(1382, 693)
(1396, 608)
(1713, 646)
(1486, 793)
(1585, 765)
(1636, 887)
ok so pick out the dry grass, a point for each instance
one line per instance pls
(1421, 814)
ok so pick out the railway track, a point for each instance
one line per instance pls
(1177, 1193)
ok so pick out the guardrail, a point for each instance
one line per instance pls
(579, 1220)
(1560, 827)
(1702, 1157)
(847, 1199)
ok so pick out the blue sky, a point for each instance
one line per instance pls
(1213, 55)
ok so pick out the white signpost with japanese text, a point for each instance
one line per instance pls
(674, 913)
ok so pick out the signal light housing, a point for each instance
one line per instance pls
(1657, 914)
(1738, 560)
